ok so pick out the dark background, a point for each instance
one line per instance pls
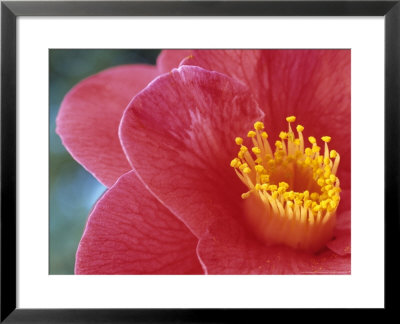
(73, 191)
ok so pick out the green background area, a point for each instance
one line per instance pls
(74, 191)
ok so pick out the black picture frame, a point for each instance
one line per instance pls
(10, 10)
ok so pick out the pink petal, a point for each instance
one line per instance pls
(313, 85)
(229, 249)
(130, 232)
(341, 244)
(169, 59)
(345, 200)
(179, 135)
(90, 114)
(239, 64)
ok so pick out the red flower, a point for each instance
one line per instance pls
(180, 209)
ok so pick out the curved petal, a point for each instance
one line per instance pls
(313, 85)
(90, 114)
(179, 135)
(229, 249)
(130, 232)
(170, 59)
(239, 64)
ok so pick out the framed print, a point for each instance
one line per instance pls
(179, 161)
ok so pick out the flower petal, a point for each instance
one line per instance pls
(313, 85)
(169, 59)
(229, 249)
(90, 114)
(239, 64)
(179, 135)
(130, 232)
(341, 244)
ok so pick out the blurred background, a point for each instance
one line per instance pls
(73, 190)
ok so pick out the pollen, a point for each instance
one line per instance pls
(238, 140)
(251, 134)
(312, 140)
(258, 126)
(293, 190)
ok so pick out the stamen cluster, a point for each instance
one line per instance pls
(272, 175)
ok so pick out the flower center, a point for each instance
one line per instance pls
(293, 190)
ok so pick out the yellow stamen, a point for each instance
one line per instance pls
(297, 186)
(239, 140)
(283, 135)
(235, 162)
(258, 125)
(259, 168)
(247, 170)
(291, 119)
(251, 134)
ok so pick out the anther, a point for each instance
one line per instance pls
(239, 140)
(258, 125)
(283, 135)
(312, 140)
(291, 119)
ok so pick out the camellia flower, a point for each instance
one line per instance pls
(227, 165)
